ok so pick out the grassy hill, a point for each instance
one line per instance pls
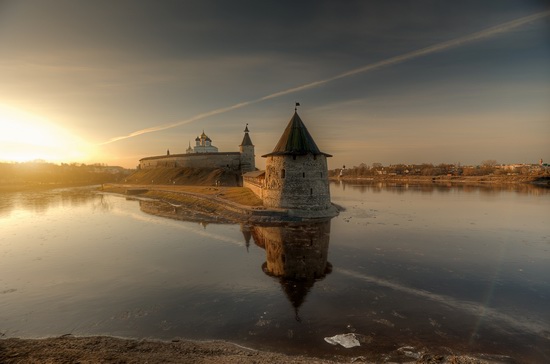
(184, 176)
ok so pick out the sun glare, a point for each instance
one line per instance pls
(27, 137)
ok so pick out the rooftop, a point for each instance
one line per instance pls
(296, 140)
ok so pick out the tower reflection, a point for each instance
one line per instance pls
(296, 255)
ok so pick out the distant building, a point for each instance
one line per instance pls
(205, 155)
(203, 144)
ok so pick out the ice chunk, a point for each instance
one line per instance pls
(346, 340)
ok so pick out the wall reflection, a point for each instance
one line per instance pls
(179, 211)
(296, 255)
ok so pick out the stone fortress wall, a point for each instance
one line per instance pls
(295, 178)
(255, 183)
(228, 160)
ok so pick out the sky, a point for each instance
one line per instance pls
(377, 81)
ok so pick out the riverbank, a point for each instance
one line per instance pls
(215, 204)
(104, 349)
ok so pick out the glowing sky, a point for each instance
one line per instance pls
(77, 76)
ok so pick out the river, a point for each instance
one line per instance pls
(462, 269)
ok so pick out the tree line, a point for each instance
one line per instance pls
(50, 173)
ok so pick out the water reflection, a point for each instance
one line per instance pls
(41, 201)
(178, 211)
(296, 255)
(441, 187)
(411, 266)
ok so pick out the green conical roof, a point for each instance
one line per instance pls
(296, 140)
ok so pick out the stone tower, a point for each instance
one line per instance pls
(296, 174)
(246, 148)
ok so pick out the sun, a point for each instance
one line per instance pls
(26, 137)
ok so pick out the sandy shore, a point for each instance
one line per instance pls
(101, 349)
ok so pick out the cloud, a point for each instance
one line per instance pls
(486, 33)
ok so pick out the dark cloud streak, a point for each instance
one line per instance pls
(305, 29)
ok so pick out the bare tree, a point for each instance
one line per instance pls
(489, 163)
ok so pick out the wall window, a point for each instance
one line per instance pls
(304, 174)
(283, 172)
(311, 191)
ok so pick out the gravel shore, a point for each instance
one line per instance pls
(102, 349)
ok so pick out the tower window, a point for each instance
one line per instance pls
(283, 172)
(311, 191)
(321, 174)
(304, 174)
